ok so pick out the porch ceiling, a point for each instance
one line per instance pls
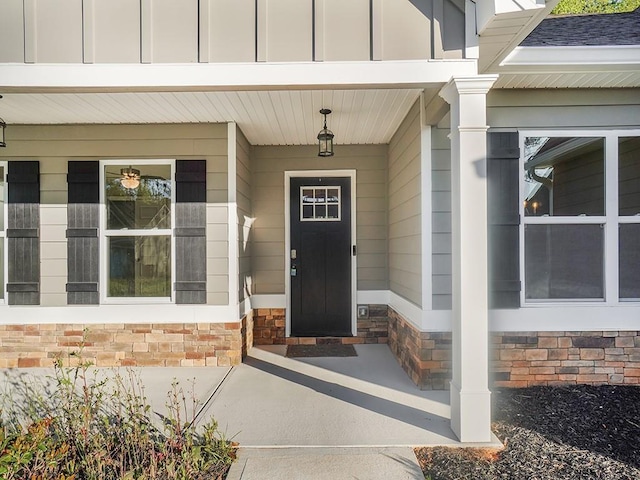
(276, 117)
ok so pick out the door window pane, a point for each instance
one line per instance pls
(564, 262)
(138, 196)
(564, 176)
(139, 266)
(319, 204)
(629, 261)
(629, 175)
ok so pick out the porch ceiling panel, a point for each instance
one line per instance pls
(276, 117)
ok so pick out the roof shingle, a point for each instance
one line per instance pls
(581, 30)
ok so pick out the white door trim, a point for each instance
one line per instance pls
(288, 175)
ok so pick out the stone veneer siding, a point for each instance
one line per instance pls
(114, 345)
(524, 359)
(269, 329)
(425, 356)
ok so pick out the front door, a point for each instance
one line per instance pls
(321, 254)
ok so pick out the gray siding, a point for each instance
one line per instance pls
(604, 108)
(243, 200)
(54, 146)
(441, 236)
(269, 165)
(405, 209)
(190, 31)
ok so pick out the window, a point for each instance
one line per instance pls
(580, 206)
(137, 228)
(3, 246)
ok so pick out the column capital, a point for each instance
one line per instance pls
(478, 84)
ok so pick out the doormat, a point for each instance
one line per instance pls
(323, 350)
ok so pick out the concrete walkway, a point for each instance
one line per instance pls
(303, 418)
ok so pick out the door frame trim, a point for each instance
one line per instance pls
(288, 175)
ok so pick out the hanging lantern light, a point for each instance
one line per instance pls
(325, 137)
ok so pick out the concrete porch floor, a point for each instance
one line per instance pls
(303, 418)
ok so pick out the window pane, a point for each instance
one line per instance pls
(564, 261)
(630, 260)
(139, 266)
(629, 175)
(138, 196)
(1, 198)
(564, 176)
(1, 268)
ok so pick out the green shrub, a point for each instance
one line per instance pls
(84, 428)
(595, 6)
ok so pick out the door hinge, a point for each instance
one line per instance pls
(354, 250)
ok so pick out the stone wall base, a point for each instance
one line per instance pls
(269, 329)
(115, 345)
(425, 356)
(524, 359)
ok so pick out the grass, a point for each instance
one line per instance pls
(82, 427)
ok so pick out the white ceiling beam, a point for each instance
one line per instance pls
(230, 77)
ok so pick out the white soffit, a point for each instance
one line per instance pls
(279, 117)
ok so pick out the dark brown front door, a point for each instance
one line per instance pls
(321, 253)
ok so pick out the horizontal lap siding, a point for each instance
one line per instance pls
(269, 165)
(54, 146)
(441, 221)
(243, 200)
(405, 211)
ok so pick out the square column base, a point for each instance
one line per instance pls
(471, 415)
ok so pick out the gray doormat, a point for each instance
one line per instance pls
(322, 350)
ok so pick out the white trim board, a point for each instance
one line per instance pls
(118, 314)
(231, 76)
(4, 213)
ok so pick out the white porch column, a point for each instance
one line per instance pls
(470, 396)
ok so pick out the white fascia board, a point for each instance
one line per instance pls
(487, 10)
(602, 57)
(227, 76)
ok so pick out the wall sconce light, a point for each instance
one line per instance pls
(325, 137)
(130, 178)
(3, 126)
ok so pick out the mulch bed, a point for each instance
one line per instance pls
(321, 350)
(575, 432)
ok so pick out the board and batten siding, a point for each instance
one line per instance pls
(441, 218)
(245, 216)
(405, 209)
(191, 31)
(269, 165)
(54, 146)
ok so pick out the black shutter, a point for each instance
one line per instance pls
(83, 256)
(190, 232)
(23, 232)
(504, 219)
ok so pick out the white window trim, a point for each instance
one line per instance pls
(104, 265)
(610, 220)
(3, 235)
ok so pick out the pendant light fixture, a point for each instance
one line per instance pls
(130, 178)
(325, 137)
